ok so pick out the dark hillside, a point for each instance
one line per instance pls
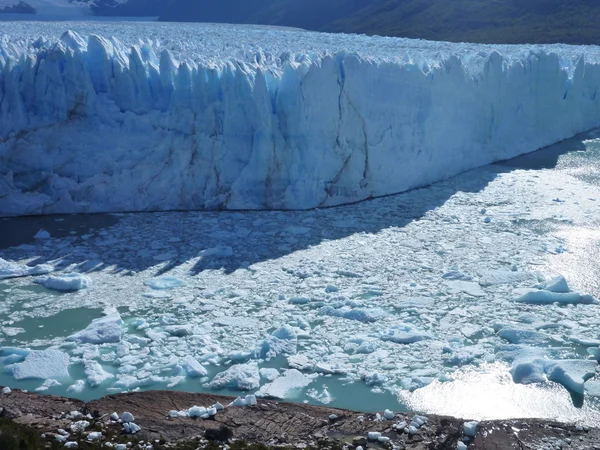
(490, 21)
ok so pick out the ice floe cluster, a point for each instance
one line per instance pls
(386, 296)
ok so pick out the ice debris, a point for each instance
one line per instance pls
(282, 387)
(470, 428)
(242, 377)
(9, 269)
(42, 364)
(164, 283)
(107, 329)
(70, 282)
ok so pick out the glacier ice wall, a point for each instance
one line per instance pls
(90, 123)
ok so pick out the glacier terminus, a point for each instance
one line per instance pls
(114, 117)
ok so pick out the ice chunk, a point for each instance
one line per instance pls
(42, 364)
(127, 417)
(131, 428)
(499, 277)
(79, 426)
(95, 374)
(103, 330)
(196, 411)
(404, 334)
(239, 401)
(516, 336)
(282, 387)
(558, 284)
(268, 374)
(242, 377)
(358, 314)
(373, 435)
(461, 446)
(470, 428)
(218, 406)
(542, 297)
(250, 400)
(468, 287)
(193, 368)
(114, 417)
(162, 283)
(6, 390)
(69, 282)
(42, 234)
(71, 444)
(572, 374)
(282, 341)
(47, 384)
(388, 415)
(94, 436)
(9, 269)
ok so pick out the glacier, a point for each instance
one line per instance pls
(145, 117)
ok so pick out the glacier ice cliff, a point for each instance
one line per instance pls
(94, 121)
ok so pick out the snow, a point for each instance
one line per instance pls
(69, 282)
(42, 364)
(304, 119)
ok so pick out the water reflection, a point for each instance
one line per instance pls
(488, 393)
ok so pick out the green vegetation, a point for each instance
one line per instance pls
(486, 21)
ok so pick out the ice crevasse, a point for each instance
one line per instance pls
(89, 124)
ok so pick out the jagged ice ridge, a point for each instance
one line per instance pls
(149, 117)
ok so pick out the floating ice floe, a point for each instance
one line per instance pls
(69, 282)
(9, 269)
(404, 334)
(163, 283)
(284, 385)
(103, 330)
(242, 377)
(42, 364)
(555, 291)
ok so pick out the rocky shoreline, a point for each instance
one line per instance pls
(58, 421)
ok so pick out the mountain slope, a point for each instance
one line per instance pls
(492, 21)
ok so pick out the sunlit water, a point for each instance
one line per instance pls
(381, 254)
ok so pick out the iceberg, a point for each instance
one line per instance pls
(209, 117)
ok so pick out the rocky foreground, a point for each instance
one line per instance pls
(31, 421)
